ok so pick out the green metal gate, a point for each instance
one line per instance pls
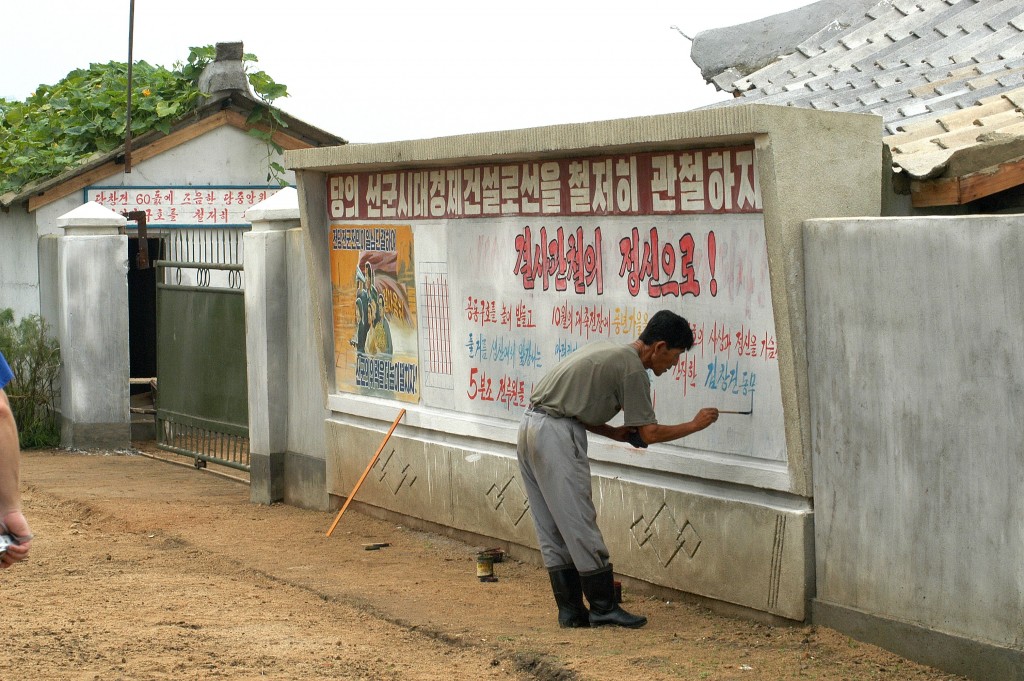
(202, 407)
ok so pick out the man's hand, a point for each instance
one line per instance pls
(704, 418)
(17, 526)
(656, 432)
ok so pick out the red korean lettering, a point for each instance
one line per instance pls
(749, 197)
(688, 284)
(453, 179)
(556, 263)
(550, 187)
(529, 189)
(579, 187)
(668, 268)
(627, 193)
(509, 189)
(603, 195)
(691, 181)
(524, 317)
(530, 259)
(664, 178)
(491, 190)
(436, 186)
(721, 180)
(636, 264)
(472, 196)
(389, 195)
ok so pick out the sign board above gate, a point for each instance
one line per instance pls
(184, 206)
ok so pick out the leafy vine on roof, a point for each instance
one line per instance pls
(59, 126)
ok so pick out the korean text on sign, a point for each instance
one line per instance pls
(656, 183)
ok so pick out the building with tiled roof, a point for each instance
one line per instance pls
(945, 76)
(208, 146)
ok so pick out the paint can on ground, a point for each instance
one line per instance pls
(485, 567)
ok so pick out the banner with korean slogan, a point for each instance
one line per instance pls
(545, 256)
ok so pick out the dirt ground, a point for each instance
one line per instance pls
(142, 569)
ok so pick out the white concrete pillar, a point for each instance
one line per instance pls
(92, 321)
(266, 340)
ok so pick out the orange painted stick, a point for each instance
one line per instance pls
(367, 471)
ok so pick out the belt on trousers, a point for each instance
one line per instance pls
(545, 411)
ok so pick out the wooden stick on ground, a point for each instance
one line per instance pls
(380, 449)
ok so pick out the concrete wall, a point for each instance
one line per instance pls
(287, 405)
(722, 527)
(306, 450)
(49, 294)
(19, 277)
(93, 299)
(916, 383)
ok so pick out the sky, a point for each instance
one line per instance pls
(378, 71)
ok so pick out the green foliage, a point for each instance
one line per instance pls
(268, 90)
(35, 360)
(61, 125)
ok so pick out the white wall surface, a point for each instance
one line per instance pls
(916, 372)
(19, 278)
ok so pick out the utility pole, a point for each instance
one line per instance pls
(128, 114)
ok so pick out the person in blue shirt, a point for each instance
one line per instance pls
(12, 522)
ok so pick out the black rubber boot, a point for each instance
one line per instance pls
(565, 583)
(600, 590)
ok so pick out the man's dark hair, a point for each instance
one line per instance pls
(667, 326)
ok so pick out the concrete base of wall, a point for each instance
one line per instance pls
(305, 482)
(266, 477)
(974, 659)
(531, 556)
(95, 435)
(295, 479)
(742, 549)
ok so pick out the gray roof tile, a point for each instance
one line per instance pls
(945, 70)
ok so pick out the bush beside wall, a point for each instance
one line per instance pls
(34, 357)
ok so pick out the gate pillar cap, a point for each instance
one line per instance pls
(91, 218)
(280, 211)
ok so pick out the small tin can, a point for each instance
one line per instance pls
(484, 566)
